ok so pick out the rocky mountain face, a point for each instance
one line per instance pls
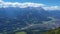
(15, 19)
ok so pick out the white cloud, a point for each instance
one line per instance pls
(27, 4)
(52, 8)
(0, 0)
(21, 5)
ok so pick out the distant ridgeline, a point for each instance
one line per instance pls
(19, 19)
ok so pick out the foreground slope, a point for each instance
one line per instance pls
(54, 31)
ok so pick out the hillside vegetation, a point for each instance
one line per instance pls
(55, 31)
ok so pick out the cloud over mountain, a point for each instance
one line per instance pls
(27, 4)
(21, 5)
(52, 8)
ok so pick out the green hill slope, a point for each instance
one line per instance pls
(55, 31)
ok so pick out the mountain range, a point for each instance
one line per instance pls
(16, 19)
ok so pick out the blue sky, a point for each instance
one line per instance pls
(48, 2)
